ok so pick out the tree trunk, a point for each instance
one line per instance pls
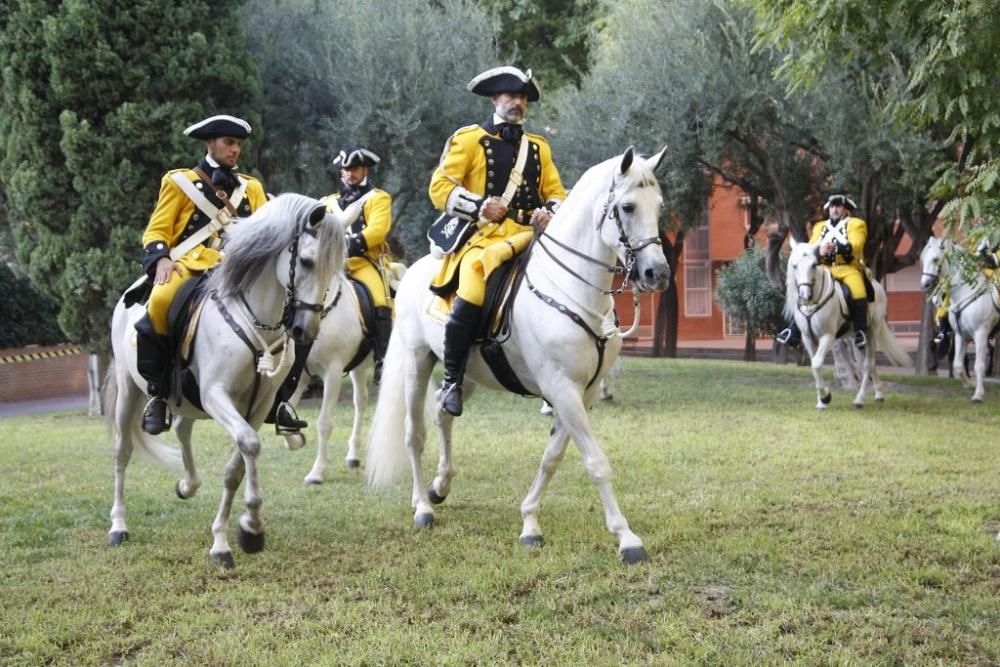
(925, 359)
(668, 308)
(96, 366)
(750, 347)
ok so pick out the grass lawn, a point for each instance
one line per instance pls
(775, 533)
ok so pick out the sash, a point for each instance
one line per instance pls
(217, 217)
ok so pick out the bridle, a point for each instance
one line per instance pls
(631, 248)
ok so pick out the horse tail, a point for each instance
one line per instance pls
(147, 446)
(891, 346)
(386, 440)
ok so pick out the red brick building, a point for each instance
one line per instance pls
(720, 240)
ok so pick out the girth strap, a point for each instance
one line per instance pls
(238, 330)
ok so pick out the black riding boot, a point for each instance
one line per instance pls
(380, 340)
(790, 335)
(859, 318)
(943, 330)
(458, 335)
(153, 362)
(282, 415)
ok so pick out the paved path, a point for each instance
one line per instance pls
(15, 408)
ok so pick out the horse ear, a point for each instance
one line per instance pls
(794, 244)
(655, 161)
(627, 159)
(317, 214)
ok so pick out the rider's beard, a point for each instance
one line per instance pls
(835, 216)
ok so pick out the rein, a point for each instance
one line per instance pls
(825, 295)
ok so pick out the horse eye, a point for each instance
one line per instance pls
(307, 263)
(628, 208)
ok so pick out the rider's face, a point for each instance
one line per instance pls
(837, 211)
(225, 150)
(511, 106)
(353, 175)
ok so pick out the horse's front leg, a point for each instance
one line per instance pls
(359, 386)
(331, 391)
(816, 357)
(127, 406)
(981, 338)
(531, 530)
(572, 412)
(250, 531)
(958, 360)
(220, 553)
(188, 486)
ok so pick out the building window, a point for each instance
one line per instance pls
(735, 326)
(697, 273)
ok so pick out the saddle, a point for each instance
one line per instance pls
(366, 310)
(182, 320)
(501, 290)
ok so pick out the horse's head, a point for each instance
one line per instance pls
(931, 258)
(306, 268)
(802, 268)
(629, 220)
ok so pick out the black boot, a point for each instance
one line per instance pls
(859, 318)
(943, 330)
(153, 362)
(458, 335)
(282, 415)
(380, 339)
(790, 335)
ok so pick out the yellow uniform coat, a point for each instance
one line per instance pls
(373, 225)
(846, 268)
(468, 161)
(173, 220)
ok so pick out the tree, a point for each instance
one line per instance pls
(95, 96)
(745, 293)
(389, 75)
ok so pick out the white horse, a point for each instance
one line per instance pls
(974, 310)
(815, 299)
(339, 341)
(563, 339)
(271, 286)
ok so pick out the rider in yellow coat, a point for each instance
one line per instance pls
(469, 183)
(367, 250)
(987, 253)
(175, 218)
(840, 243)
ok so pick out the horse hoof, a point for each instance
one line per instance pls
(223, 559)
(313, 481)
(976, 400)
(880, 399)
(433, 496)
(117, 537)
(826, 398)
(425, 520)
(532, 540)
(634, 555)
(353, 463)
(608, 397)
(295, 441)
(251, 543)
(858, 406)
(177, 490)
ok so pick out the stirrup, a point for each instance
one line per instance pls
(450, 398)
(940, 338)
(860, 340)
(153, 422)
(286, 421)
(784, 336)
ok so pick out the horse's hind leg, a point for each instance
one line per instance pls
(188, 486)
(418, 372)
(531, 531)
(981, 338)
(570, 409)
(440, 486)
(360, 395)
(867, 373)
(331, 391)
(127, 405)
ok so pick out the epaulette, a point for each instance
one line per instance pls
(537, 138)
(249, 177)
(465, 130)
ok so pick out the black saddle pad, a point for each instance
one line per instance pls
(183, 307)
(367, 306)
(495, 321)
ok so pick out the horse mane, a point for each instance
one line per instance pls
(252, 242)
(596, 178)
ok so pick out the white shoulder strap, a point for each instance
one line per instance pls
(516, 174)
(218, 218)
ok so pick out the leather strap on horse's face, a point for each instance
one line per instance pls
(631, 247)
(293, 305)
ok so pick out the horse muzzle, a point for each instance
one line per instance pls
(651, 275)
(305, 327)
(927, 283)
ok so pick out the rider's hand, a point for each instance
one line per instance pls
(494, 209)
(165, 267)
(825, 248)
(540, 218)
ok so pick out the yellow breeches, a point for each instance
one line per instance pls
(365, 272)
(471, 279)
(162, 296)
(851, 277)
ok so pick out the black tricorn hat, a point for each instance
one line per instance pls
(840, 200)
(219, 126)
(505, 79)
(356, 156)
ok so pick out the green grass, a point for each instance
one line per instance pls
(776, 534)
